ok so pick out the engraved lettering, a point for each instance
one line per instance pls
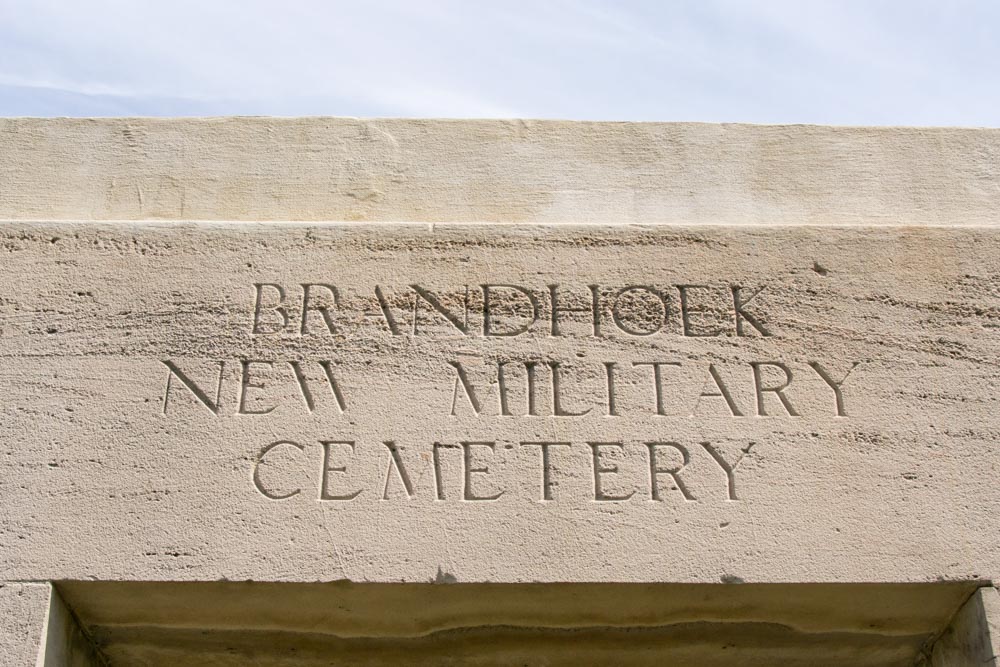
(655, 470)
(657, 381)
(460, 324)
(202, 397)
(469, 470)
(557, 408)
(778, 391)
(713, 375)
(324, 489)
(279, 308)
(742, 315)
(593, 309)
(657, 320)
(307, 395)
(835, 386)
(390, 319)
(323, 310)
(581, 386)
(667, 462)
(599, 469)
(529, 367)
(546, 461)
(489, 326)
(501, 389)
(438, 477)
(687, 309)
(470, 392)
(247, 383)
(609, 373)
(256, 471)
(396, 461)
(728, 468)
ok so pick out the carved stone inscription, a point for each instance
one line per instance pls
(558, 383)
(519, 403)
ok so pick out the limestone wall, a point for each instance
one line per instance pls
(695, 355)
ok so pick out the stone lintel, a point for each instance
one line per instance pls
(378, 170)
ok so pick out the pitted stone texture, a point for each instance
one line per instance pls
(107, 477)
(495, 171)
(23, 611)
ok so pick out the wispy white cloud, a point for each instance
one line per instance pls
(827, 61)
(88, 88)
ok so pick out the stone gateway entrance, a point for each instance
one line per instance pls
(332, 391)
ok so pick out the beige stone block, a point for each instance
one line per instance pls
(495, 171)
(693, 356)
(825, 410)
(23, 612)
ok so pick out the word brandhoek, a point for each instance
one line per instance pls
(508, 310)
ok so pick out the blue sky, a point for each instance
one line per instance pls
(868, 62)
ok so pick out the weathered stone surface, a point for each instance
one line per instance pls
(228, 623)
(495, 171)
(973, 637)
(23, 610)
(887, 475)
(787, 373)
